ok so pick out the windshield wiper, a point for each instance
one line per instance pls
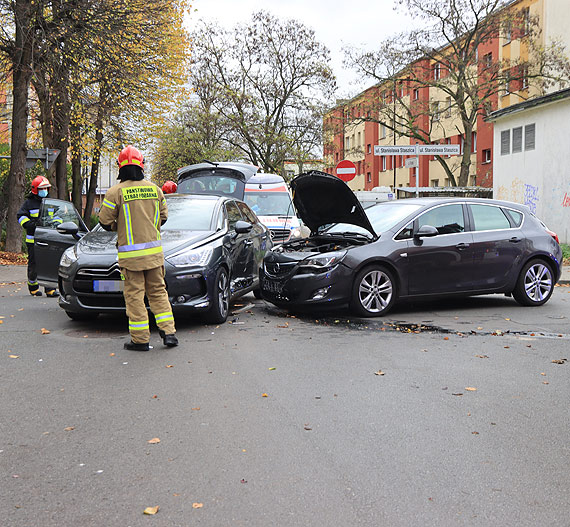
(350, 235)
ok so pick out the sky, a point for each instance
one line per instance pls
(337, 23)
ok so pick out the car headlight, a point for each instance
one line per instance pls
(68, 257)
(323, 262)
(296, 233)
(192, 257)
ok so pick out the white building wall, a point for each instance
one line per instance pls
(555, 26)
(539, 178)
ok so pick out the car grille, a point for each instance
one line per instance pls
(280, 235)
(83, 280)
(279, 268)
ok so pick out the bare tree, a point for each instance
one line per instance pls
(444, 56)
(269, 76)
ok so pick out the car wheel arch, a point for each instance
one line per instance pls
(552, 264)
(379, 261)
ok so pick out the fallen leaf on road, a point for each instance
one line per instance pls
(307, 427)
(379, 372)
(482, 356)
(197, 408)
(169, 366)
(21, 309)
(286, 325)
(271, 369)
(507, 319)
(151, 510)
(264, 395)
(559, 361)
(243, 481)
(475, 433)
(111, 354)
(155, 396)
(445, 338)
(153, 441)
(45, 331)
(457, 394)
(471, 389)
(14, 356)
(506, 347)
(197, 505)
(479, 327)
(545, 382)
(69, 429)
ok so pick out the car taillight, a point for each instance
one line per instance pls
(554, 235)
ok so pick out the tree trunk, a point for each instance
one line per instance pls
(20, 84)
(95, 162)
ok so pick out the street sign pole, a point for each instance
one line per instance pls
(417, 170)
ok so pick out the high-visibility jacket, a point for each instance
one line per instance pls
(29, 214)
(136, 210)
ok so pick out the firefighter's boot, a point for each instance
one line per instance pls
(169, 340)
(34, 290)
(136, 346)
(52, 293)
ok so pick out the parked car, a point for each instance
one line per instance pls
(270, 199)
(409, 248)
(213, 248)
(215, 178)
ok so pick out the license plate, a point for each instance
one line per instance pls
(272, 287)
(107, 286)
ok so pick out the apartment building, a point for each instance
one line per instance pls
(349, 135)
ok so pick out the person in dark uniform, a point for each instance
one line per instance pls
(28, 217)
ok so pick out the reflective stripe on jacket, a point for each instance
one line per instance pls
(137, 208)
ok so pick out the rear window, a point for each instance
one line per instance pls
(212, 184)
(189, 214)
(489, 218)
(270, 203)
(516, 216)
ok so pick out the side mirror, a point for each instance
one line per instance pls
(426, 231)
(69, 228)
(243, 227)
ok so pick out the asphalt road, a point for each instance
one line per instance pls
(281, 420)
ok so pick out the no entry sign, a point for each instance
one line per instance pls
(346, 170)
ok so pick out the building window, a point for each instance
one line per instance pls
(416, 94)
(524, 80)
(383, 163)
(507, 84)
(486, 156)
(508, 30)
(436, 71)
(488, 60)
(434, 182)
(359, 140)
(505, 142)
(369, 149)
(473, 142)
(525, 21)
(369, 177)
(382, 131)
(435, 111)
(347, 143)
(529, 136)
(517, 139)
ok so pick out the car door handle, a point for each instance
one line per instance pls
(462, 246)
(43, 244)
(515, 239)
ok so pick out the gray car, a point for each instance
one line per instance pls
(410, 248)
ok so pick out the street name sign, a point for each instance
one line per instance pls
(423, 150)
(346, 170)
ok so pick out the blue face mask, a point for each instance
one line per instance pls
(42, 193)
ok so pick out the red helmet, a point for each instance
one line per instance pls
(130, 156)
(40, 182)
(169, 187)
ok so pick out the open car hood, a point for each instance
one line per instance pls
(322, 199)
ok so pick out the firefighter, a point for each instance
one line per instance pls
(136, 209)
(169, 187)
(28, 216)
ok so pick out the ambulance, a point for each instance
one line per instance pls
(268, 196)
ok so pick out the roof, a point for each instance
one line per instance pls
(531, 103)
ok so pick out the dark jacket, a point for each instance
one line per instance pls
(28, 215)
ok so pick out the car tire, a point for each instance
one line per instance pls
(373, 292)
(257, 293)
(81, 316)
(218, 313)
(535, 284)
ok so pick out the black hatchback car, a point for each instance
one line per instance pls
(213, 248)
(407, 248)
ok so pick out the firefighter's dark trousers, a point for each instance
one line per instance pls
(150, 283)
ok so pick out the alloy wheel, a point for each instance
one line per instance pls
(538, 282)
(375, 291)
(223, 294)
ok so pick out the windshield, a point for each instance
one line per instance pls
(382, 216)
(270, 203)
(189, 214)
(215, 185)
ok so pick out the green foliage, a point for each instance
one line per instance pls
(565, 252)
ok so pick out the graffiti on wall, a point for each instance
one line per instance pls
(520, 192)
(531, 197)
(566, 200)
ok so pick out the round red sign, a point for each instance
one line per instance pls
(346, 170)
